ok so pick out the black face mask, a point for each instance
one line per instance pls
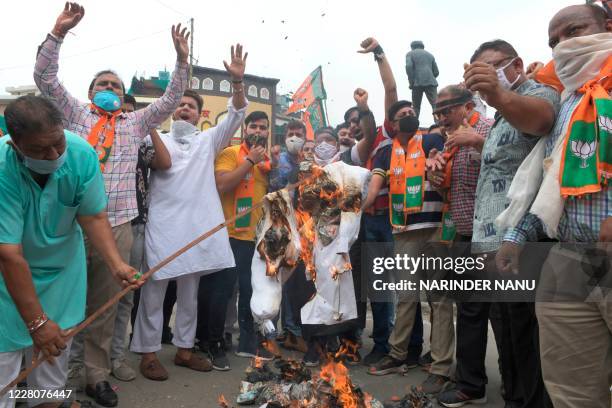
(409, 125)
(254, 140)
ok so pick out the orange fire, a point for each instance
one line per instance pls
(257, 362)
(222, 401)
(336, 374)
(307, 236)
(272, 347)
(348, 348)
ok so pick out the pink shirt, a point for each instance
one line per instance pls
(130, 128)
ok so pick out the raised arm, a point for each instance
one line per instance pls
(366, 123)
(529, 114)
(386, 74)
(236, 108)
(47, 61)
(157, 112)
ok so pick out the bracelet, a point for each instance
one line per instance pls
(251, 161)
(37, 323)
(236, 82)
(378, 53)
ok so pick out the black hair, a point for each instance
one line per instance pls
(31, 114)
(432, 127)
(348, 113)
(255, 116)
(296, 124)
(495, 45)
(325, 129)
(343, 125)
(190, 93)
(127, 98)
(104, 72)
(393, 109)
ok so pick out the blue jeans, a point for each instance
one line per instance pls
(378, 229)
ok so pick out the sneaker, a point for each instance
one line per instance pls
(261, 353)
(374, 357)
(121, 370)
(217, 356)
(425, 360)
(227, 342)
(76, 377)
(414, 353)
(434, 384)
(457, 398)
(387, 365)
(311, 358)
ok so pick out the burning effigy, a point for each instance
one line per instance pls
(330, 212)
(277, 252)
(320, 229)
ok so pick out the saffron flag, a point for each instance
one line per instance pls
(310, 90)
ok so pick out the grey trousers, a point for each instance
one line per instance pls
(431, 92)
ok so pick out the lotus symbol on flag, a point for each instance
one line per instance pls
(398, 207)
(399, 151)
(448, 223)
(605, 123)
(583, 150)
(413, 189)
(398, 171)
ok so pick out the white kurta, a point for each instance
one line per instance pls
(184, 202)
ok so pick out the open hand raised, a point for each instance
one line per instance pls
(180, 39)
(68, 19)
(237, 63)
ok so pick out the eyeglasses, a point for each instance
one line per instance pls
(499, 63)
(446, 111)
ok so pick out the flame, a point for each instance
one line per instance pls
(222, 401)
(348, 348)
(336, 374)
(257, 362)
(307, 236)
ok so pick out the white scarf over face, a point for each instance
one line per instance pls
(182, 132)
(535, 187)
(579, 59)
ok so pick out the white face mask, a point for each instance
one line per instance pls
(325, 153)
(503, 79)
(294, 144)
(182, 132)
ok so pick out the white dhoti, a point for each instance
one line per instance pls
(150, 316)
(44, 377)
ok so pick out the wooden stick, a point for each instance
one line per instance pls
(72, 332)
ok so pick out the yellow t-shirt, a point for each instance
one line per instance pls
(228, 161)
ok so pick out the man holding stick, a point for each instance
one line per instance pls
(52, 190)
(116, 137)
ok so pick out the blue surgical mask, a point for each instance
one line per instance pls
(107, 100)
(42, 166)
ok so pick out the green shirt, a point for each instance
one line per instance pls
(43, 222)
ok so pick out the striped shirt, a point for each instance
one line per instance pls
(130, 128)
(502, 154)
(464, 179)
(430, 215)
(582, 217)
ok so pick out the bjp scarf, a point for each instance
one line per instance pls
(406, 179)
(244, 193)
(103, 150)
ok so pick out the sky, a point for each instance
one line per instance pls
(285, 40)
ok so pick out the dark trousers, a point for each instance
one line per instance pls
(377, 229)
(214, 294)
(417, 96)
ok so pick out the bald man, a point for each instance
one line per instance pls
(575, 302)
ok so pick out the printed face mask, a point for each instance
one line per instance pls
(107, 100)
(294, 144)
(254, 140)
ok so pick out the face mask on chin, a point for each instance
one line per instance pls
(43, 167)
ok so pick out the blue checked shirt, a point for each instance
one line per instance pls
(582, 217)
(503, 152)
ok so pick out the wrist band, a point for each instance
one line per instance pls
(251, 161)
(37, 323)
(378, 53)
(236, 82)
